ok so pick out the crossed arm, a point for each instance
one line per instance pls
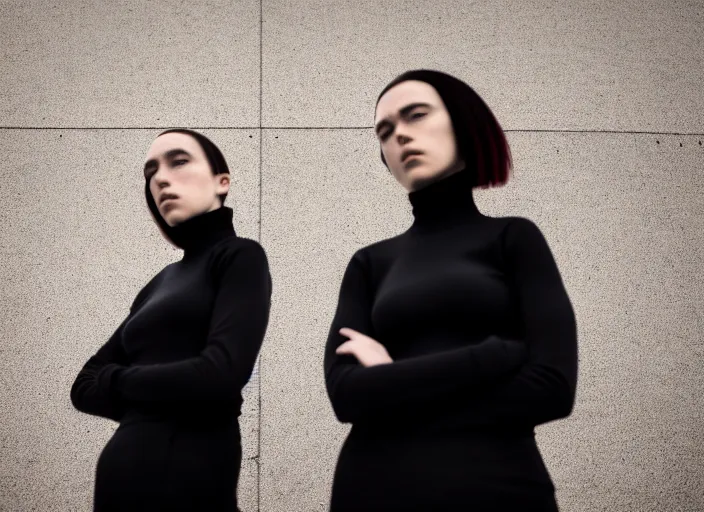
(492, 382)
(107, 385)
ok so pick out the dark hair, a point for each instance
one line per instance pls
(481, 142)
(218, 165)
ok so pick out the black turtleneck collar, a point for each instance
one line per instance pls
(198, 233)
(444, 202)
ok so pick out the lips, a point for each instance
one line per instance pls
(409, 153)
(166, 197)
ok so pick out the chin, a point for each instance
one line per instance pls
(421, 176)
(174, 218)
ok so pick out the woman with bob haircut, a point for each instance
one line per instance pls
(172, 373)
(452, 341)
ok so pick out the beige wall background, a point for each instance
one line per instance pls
(603, 106)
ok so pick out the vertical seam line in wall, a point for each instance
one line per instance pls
(259, 380)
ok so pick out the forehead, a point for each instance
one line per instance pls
(173, 140)
(405, 93)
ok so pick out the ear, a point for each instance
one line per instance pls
(223, 185)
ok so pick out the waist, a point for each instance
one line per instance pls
(437, 430)
(193, 419)
(466, 468)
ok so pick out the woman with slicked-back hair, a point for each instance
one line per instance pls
(172, 373)
(453, 340)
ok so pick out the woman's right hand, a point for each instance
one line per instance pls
(368, 351)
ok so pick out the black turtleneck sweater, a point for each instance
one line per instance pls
(193, 333)
(473, 312)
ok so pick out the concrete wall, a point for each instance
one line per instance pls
(603, 107)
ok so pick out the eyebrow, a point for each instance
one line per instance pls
(169, 154)
(405, 110)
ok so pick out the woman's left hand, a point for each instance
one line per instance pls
(368, 351)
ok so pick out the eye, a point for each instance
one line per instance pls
(416, 115)
(177, 163)
(384, 134)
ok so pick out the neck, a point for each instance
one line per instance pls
(447, 201)
(198, 233)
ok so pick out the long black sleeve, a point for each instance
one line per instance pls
(237, 327)
(91, 391)
(409, 385)
(544, 389)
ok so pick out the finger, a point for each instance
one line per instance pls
(346, 348)
(346, 331)
(347, 351)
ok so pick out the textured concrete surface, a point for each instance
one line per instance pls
(129, 63)
(557, 65)
(621, 211)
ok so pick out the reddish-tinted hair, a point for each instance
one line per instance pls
(481, 142)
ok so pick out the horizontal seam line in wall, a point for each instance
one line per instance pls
(67, 128)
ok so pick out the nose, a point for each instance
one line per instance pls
(402, 138)
(160, 179)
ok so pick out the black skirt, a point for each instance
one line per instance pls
(477, 472)
(161, 465)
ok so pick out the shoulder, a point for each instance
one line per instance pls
(372, 261)
(519, 230)
(381, 250)
(524, 245)
(377, 255)
(242, 244)
(238, 251)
